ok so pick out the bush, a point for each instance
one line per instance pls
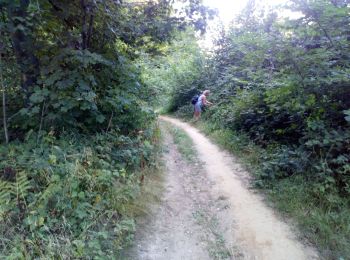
(185, 111)
(69, 197)
(284, 162)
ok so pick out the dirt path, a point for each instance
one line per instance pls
(184, 225)
(256, 229)
(207, 212)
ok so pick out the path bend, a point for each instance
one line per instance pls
(259, 232)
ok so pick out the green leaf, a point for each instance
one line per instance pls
(100, 118)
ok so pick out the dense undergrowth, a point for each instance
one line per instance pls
(281, 93)
(78, 81)
(78, 131)
(70, 197)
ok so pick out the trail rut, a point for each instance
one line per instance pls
(249, 223)
(179, 227)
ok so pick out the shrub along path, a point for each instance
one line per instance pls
(249, 228)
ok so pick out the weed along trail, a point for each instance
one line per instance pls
(246, 227)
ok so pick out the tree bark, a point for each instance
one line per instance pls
(22, 41)
(91, 24)
(84, 25)
(110, 122)
(41, 121)
(4, 116)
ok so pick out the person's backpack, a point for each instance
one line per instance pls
(194, 100)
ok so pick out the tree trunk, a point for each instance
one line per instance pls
(4, 116)
(91, 26)
(84, 25)
(22, 40)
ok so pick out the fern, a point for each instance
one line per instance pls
(5, 198)
(4, 192)
(11, 193)
(21, 186)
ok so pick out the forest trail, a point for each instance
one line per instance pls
(208, 211)
(177, 228)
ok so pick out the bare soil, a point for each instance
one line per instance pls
(207, 211)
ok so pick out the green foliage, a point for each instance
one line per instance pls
(324, 218)
(176, 77)
(68, 198)
(13, 193)
(284, 84)
(321, 213)
(77, 113)
(72, 63)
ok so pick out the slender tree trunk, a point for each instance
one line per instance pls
(41, 121)
(87, 23)
(110, 122)
(3, 90)
(84, 30)
(91, 23)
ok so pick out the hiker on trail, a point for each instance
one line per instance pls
(201, 102)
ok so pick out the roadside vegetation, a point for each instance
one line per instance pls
(281, 90)
(78, 130)
(79, 80)
(292, 196)
(183, 143)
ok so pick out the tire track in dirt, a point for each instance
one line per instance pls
(250, 224)
(184, 225)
